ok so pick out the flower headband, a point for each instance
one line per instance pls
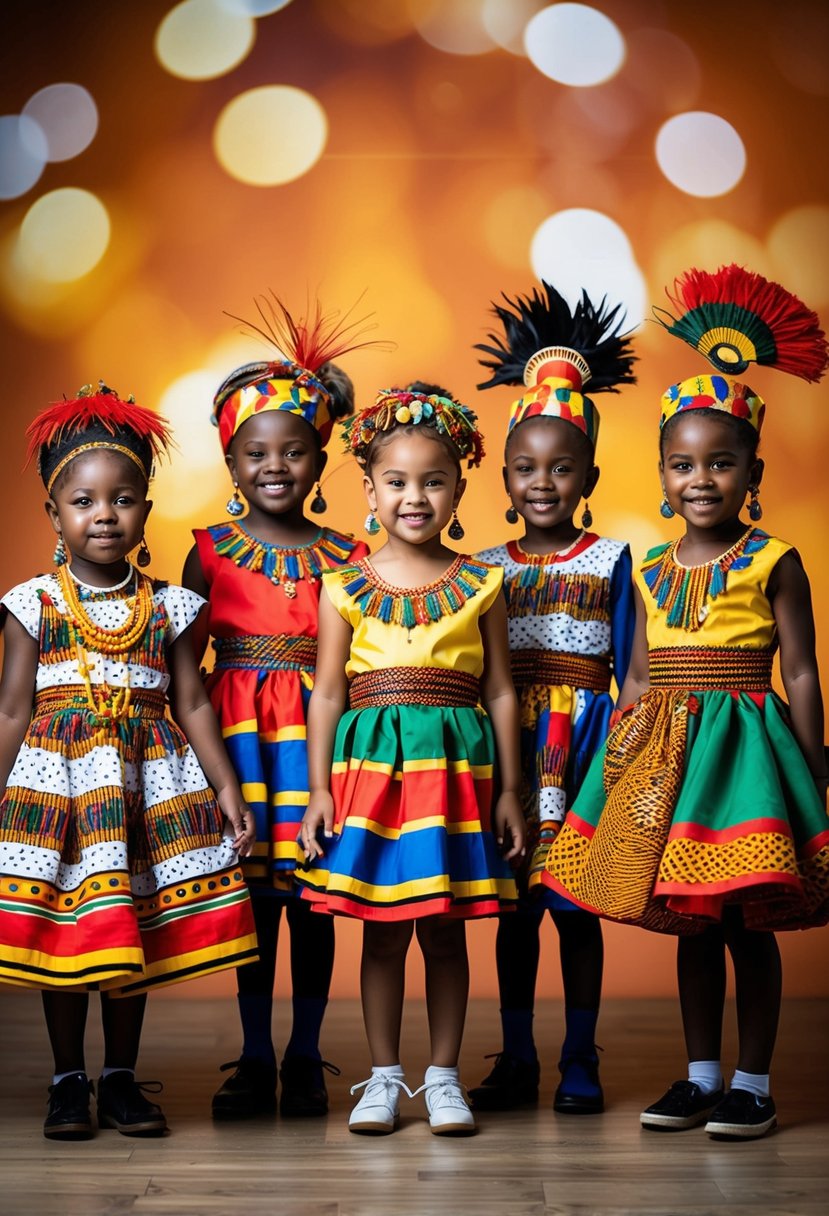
(400, 407)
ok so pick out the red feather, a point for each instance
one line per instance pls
(309, 342)
(74, 416)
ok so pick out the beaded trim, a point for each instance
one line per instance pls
(281, 565)
(117, 641)
(699, 667)
(559, 668)
(537, 591)
(410, 606)
(682, 591)
(266, 652)
(149, 704)
(413, 686)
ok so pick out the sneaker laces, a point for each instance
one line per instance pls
(442, 1092)
(389, 1083)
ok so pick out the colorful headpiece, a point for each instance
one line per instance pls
(555, 352)
(290, 382)
(93, 420)
(733, 318)
(397, 407)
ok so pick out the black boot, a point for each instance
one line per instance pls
(68, 1116)
(251, 1091)
(512, 1083)
(303, 1086)
(122, 1105)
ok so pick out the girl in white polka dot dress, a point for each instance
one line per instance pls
(116, 871)
(570, 608)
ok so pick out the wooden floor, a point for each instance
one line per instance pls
(520, 1164)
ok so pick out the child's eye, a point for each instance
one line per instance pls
(295, 453)
(81, 502)
(562, 469)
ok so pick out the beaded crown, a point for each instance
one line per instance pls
(397, 407)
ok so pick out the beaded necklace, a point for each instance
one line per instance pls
(682, 591)
(283, 566)
(539, 589)
(547, 559)
(411, 606)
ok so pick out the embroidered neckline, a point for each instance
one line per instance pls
(583, 541)
(283, 565)
(410, 606)
(683, 591)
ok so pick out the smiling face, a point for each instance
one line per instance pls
(414, 485)
(707, 469)
(275, 457)
(549, 469)
(99, 505)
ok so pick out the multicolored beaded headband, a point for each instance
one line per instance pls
(93, 420)
(555, 352)
(396, 407)
(735, 317)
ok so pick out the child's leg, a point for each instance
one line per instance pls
(68, 1116)
(122, 1020)
(443, 942)
(581, 950)
(312, 962)
(121, 1104)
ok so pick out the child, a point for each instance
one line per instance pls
(415, 641)
(261, 576)
(703, 817)
(570, 608)
(114, 869)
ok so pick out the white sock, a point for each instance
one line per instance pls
(756, 1083)
(387, 1070)
(707, 1074)
(437, 1073)
(60, 1076)
(107, 1072)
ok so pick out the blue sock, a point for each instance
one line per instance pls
(517, 1025)
(578, 1077)
(307, 1024)
(255, 1011)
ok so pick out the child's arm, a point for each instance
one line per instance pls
(192, 577)
(194, 714)
(498, 695)
(791, 601)
(637, 679)
(324, 712)
(16, 691)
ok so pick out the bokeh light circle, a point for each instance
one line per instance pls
(270, 135)
(583, 249)
(700, 153)
(253, 8)
(574, 44)
(505, 20)
(67, 116)
(186, 404)
(63, 236)
(201, 39)
(799, 244)
(454, 26)
(23, 154)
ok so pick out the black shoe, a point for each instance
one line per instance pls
(742, 1116)
(68, 1117)
(573, 1100)
(683, 1106)
(251, 1091)
(122, 1105)
(512, 1083)
(303, 1091)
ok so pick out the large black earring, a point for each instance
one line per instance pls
(511, 515)
(318, 504)
(144, 558)
(587, 516)
(755, 511)
(455, 530)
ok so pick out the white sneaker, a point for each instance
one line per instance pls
(449, 1113)
(378, 1111)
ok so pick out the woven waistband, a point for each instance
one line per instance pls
(266, 652)
(413, 686)
(147, 703)
(699, 667)
(554, 667)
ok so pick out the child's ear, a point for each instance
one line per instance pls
(52, 511)
(231, 464)
(505, 476)
(148, 506)
(591, 481)
(371, 497)
(322, 461)
(460, 490)
(756, 473)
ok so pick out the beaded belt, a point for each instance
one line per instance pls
(266, 652)
(413, 686)
(700, 667)
(147, 703)
(555, 667)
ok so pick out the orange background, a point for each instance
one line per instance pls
(437, 171)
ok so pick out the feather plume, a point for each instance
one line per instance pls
(105, 407)
(538, 320)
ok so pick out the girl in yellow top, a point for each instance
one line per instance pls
(414, 640)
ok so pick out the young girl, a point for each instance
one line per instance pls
(570, 608)
(114, 869)
(703, 817)
(261, 576)
(415, 642)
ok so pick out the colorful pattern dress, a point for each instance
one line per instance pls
(262, 615)
(115, 871)
(702, 796)
(570, 631)
(412, 773)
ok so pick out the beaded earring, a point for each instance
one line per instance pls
(318, 504)
(665, 509)
(371, 525)
(587, 516)
(455, 530)
(511, 515)
(234, 504)
(59, 556)
(755, 511)
(144, 557)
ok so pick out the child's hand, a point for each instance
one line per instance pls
(510, 829)
(320, 814)
(241, 819)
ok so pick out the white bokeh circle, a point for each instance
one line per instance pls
(574, 44)
(62, 236)
(700, 153)
(202, 39)
(23, 154)
(270, 135)
(580, 249)
(67, 116)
